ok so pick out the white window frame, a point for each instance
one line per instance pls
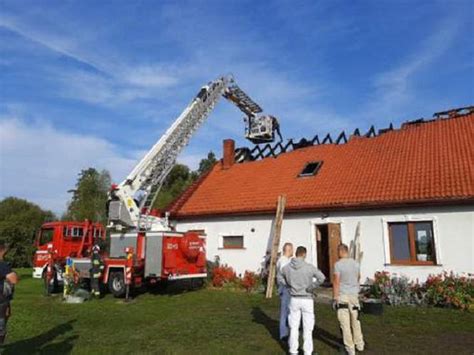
(75, 232)
(406, 219)
(220, 245)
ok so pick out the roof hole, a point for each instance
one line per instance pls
(311, 168)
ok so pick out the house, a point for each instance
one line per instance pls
(411, 190)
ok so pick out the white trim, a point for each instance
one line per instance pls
(164, 234)
(410, 218)
(120, 235)
(188, 276)
(81, 260)
(41, 252)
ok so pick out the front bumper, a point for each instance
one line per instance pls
(38, 272)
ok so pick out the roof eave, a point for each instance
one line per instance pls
(332, 208)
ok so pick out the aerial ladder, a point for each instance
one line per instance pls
(143, 249)
(130, 202)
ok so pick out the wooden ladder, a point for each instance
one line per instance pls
(275, 244)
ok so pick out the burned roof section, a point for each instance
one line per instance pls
(263, 151)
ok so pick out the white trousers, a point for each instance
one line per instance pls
(301, 308)
(284, 311)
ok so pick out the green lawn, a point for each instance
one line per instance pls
(208, 321)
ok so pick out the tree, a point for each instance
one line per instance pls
(180, 178)
(20, 220)
(207, 163)
(90, 196)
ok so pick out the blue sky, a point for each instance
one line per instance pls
(89, 83)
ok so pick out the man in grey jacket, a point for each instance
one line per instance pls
(301, 277)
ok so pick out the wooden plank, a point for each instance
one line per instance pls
(275, 244)
(334, 233)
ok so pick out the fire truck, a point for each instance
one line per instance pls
(56, 241)
(142, 246)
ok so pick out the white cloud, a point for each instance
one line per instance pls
(40, 163)
(151, 76)
(393, 88)
(109, 80)
(52, 41)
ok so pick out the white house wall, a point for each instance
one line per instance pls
(453, 233)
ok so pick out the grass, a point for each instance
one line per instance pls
(210, 321)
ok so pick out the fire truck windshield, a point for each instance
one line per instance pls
(46, 236)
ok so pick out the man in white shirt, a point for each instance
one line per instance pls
(283, 291)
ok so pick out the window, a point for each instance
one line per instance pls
(233, 242)
(73, 231)
(311, 169)
(46, 236)
(77, 231)
(412, 243)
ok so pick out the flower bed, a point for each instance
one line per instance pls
(443, 290)
(223, 276)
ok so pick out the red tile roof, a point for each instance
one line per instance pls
(425, 163)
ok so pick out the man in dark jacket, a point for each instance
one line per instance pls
(301, 277)
(8, 278)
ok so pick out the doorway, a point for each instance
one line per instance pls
(328, 237)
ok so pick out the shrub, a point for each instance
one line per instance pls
(398, 291)
(445, 290)
(450, 290)
(210, 266)
(378, 285)
(223, 275)
(251, 281)
(418, 294)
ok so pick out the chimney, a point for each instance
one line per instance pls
(228, 158)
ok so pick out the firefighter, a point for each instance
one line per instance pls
(346, 300)
(8, 279)
(96, 270)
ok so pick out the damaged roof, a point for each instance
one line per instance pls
(421, 163)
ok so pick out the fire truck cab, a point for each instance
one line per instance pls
(64, 239)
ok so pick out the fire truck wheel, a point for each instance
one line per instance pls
(117, 284)
(197, 283)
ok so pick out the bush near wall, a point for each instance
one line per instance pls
(442, 290)
(251, 281)
(223, 276)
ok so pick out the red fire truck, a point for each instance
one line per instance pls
(142, 246)
(133, 259)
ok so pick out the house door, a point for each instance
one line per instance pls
(328, 237)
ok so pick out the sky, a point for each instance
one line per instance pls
(96, 83)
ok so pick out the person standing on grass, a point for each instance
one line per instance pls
(346, 299)
(8, 279)
(302, 278)
(283, 290)
(96, 271)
